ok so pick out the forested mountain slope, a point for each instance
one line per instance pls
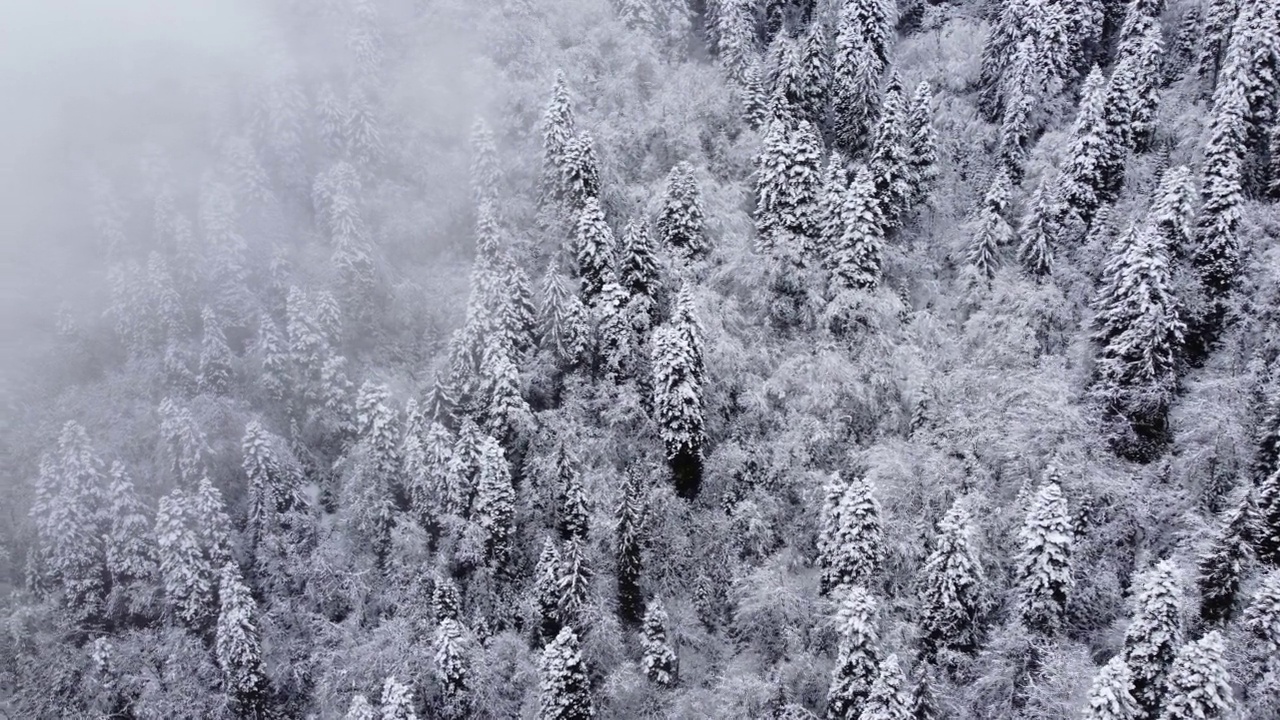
(653, 358)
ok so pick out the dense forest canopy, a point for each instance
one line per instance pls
(641, 358)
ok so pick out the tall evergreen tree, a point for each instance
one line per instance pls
(850, 543)
(1217, 253)
(557, 132)
(679, 376)
(658, 660)
(1216, 33)
(993, 230)
(889, 698)
(735, 26)
(185, 572)
(855, 261)
(1173, 210)
(561, 320)
(1092, 154)
(788, 184)
(1039, 230)
(950, 593)
(1262, 616)
(890, 163)
(1199, 687)
(486, 172)
(594, 249)
(857, 65)
(1044, 562)
(1111, 695)
(130, 545)
(453, 668)
(680, 221)
(858, 657)
(1140, 336)
(239, 651)
(922, 143)
(1222, 564)
(565, 692)
(397, 701)
(575, 585)
(581, 170)
(628, 544)
(1267, 541)
(1153, 636)
(215, 355)
(495, 503)
(546, 590)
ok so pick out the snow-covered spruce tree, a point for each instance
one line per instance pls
(855, 260)
(464, 468)
(274, 479)
(1153, 636)
(735, 25)
(1111, 694)
(922, 144)
(628, 544)
(215, 355)
(397, 701)
(890, 163)
(637, 14)
(637, 264)
(239, 652)
(1139, 335)
(1092, 153)
(815, 70)
(575, 585)
(185, 573)
(557, 132)
(445, 601)
(70, 522)
(1222, 564)
(658, 660)
(561, 320)
(1199, 687)
(993, 230)
(594, 249)
(889, 698)
(130, 545)
(855, 79)
(495, 503)
(788, 184)
(212, 523)
(755, 97)
(546, 590)
(565, 689)
(276, 379)
(1006, 32)
(680, 221)
(581, 170)
(453, 668)
(850, 540)
(1137, 79)
(858, 657)
(950, 593)
(360, 709)
(1217, 252)
(874, 20)
(1040, 229)
(1219, 19)
(1262, 616)
(574, 511)
(1173, 210)
(789, 80)
(615, 331)
(519, 315)
(507, 416)
(1044, 562)
(679, 377)
(486, 172)
(1017, 126)
(1267, 541)
(1266, 434)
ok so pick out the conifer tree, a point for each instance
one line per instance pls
(998, 51)
(275, 380)
(637, 14)
(1199, 687)
(565, 692)
(788, 184)
(486, 173)
(581, 170)
(835, 183)
(1039, 229)
(855, 262)
(614, 331)
(1140, 335)
(889, 699)
(680, 221)
(130, 552)
(453, 668)
(815, 71)
(637, 265)
(1223, 562)
(1153, 636)
(1016, 125)
(922, 143)
(755, 99)
(68, 513)
(950, 596)
(1266, 434)
(397, 701)
(185, 572)
(736, 36)
(557, 132)
(213, 525)
(1092, 154)
(658, 660)
(890, 163)
(495, 503)
(850, 543)
(519, 315)
(574, 584)
(1217, 253)
(993, 230)
(546, 590)
(594, 249)
(1268, 520)
(507, 416)
(561, 320)
(1262, 616)
(1111, 695)
(1173, 210)
(215, 356)
(678, 382)
(574, 512)
(628, 544)
(857, 659)
(273, 479)
(856, 69)
(1137, 77)
(1216, 33)
(238, 649)
(1044, 563)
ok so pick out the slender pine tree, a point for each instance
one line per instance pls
(1153, 636)
(951, 590)
(1044, 562)
(659, 660)
(565, 692)
(1199, 686)
(858, 657)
